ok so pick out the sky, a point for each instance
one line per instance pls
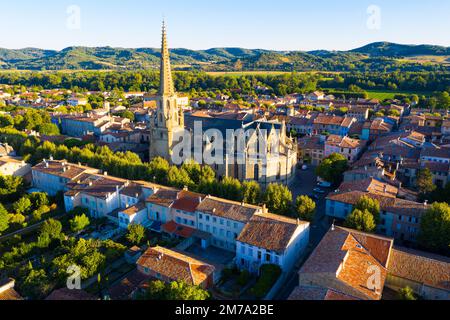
(203, 24)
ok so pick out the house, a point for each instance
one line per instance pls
(75, 101)
(130, 286)
(14, 166)
(361, 113)
(100, 194)
(445, 128)
(136, 214)
(311, 149)
(348, 147)
(224, 220)
(6, 150)
(53, 176)
(7, 291)
(399, 218)
(376, 128)
(169, 265)
(427, 274)
(347, 264)
(332, 124)
(315, 96)
(271, 239)
(77, 125)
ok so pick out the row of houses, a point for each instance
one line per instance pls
(253, 234)
(353, 265)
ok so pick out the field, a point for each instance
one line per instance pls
(428, 59)
(245, 73)
(381, 95)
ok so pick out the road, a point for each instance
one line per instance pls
(303, 184)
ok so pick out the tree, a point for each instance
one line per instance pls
(48, 129)
(38, 199)
(127, 114)
(178, 178)
(79, 223)
(332, 168)
(136, 233)
(425, 181)
(406, 293)
(231, 189)
(51, 227)
(435, 228)
(22, 205)
(371, 205)
(4, 219)
(179, 290)
(156, 290)
(36, 284)
(361, 220)
(278, 198)
(251, 192)
(306, 208)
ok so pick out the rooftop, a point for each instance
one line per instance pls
(175, 265)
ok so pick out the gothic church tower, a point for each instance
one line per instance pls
(168, 120)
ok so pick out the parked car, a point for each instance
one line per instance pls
(318, 190)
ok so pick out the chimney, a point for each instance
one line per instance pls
(51, 158)
(332, 226)
(199, 199)
(105, 173)
(79, 163)
(425, 203)
(185, 188)
(384, 188)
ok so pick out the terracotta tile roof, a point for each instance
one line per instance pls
(380, 125)
(311, 143)
(370, 185)
(174, 228)
(7, 291)
(344, 142)
(188, 201)
(134, 209)
(62, 168)
(67, 294)
(124, 289)
(163, 197)
(437, 166)
(95, 185)
(328, 120)
(227, 209)
(175, 265)
(312, 293)
(132, 190)
(269, 231)
(345, 255)
(437, 152)
(429, 269)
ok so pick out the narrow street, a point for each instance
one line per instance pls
(304, 183)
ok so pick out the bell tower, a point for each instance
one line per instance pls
(168, 118)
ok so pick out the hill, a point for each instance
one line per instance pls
(381, 55)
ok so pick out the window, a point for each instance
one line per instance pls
(242, 249)
(200, 216)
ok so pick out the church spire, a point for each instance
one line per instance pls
(166, 85)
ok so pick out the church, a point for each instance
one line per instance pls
(266, 154)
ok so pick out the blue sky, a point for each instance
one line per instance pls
(203, 24)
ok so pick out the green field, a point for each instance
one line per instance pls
(381, 95)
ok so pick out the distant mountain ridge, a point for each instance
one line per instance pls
(95, 58)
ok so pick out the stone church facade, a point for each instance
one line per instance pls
(267, 156)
